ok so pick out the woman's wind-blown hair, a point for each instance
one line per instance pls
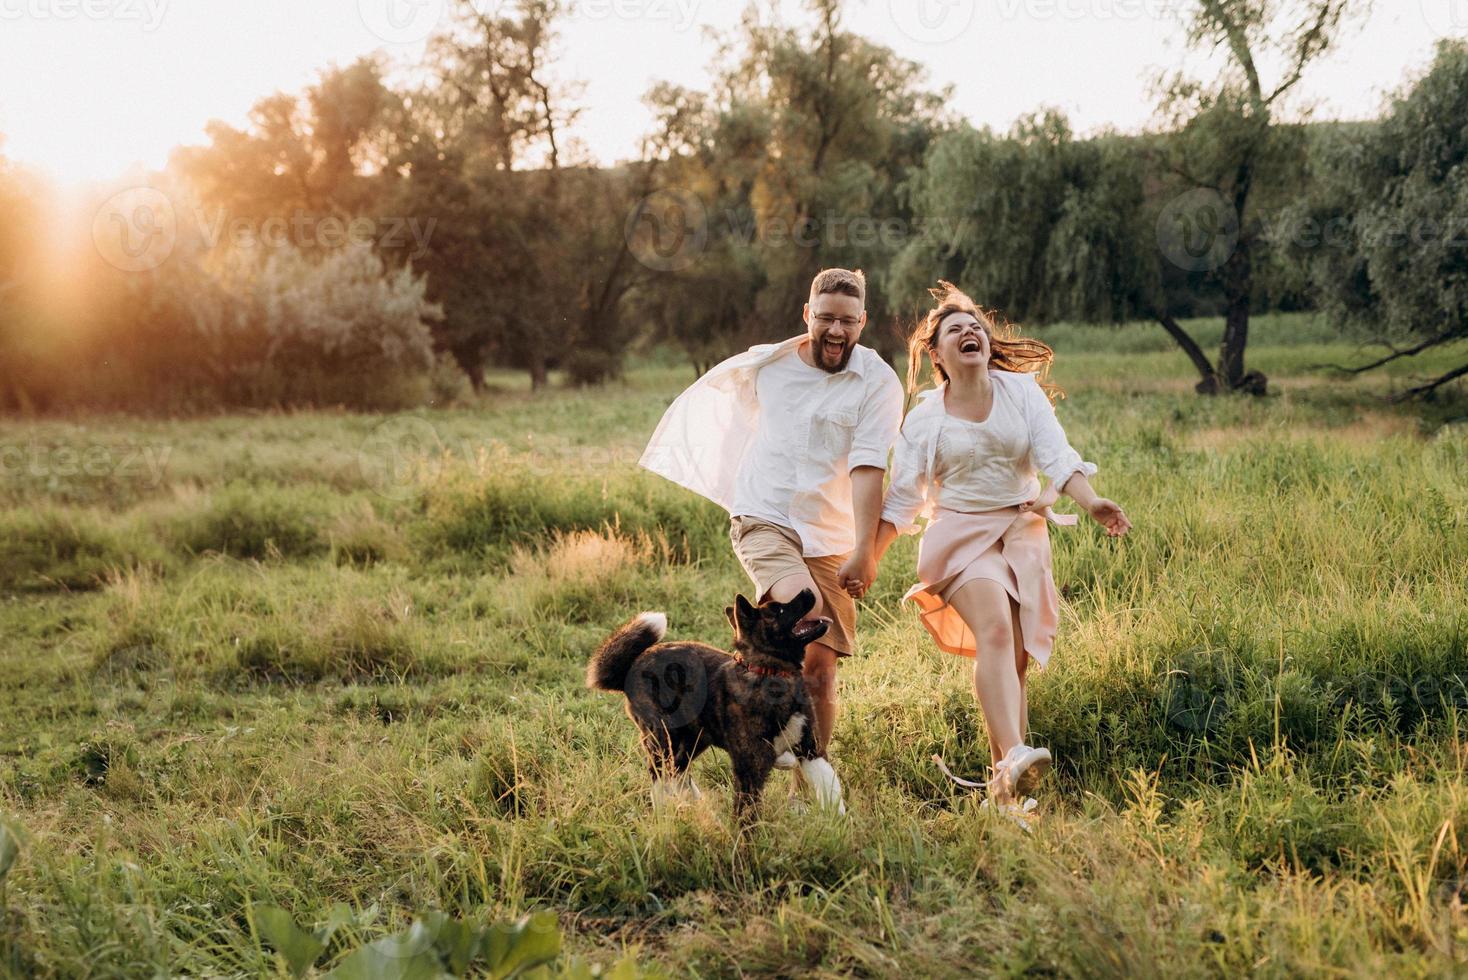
(1008, 350)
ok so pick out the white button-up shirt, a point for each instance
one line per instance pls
(788, 462)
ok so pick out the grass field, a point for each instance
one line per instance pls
(333, 663)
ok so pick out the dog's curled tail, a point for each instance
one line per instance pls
(613, 659)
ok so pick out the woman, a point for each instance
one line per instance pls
(967, 459)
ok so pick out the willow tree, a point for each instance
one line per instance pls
(1384, 240)
(1227, 140)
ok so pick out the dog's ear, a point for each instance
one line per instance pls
(733, 623)
(745, 614)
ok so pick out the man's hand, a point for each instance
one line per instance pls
(1108, 514)
(858, 573)
(1047, 497)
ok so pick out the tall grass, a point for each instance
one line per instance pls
(271, 680)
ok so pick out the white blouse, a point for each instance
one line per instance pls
(986, 465)
(945, 461)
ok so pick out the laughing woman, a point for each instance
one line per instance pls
(967, 459)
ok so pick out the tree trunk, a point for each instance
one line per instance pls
(1237, 284)
(1209, 383)
(471, 362)
(538, 373)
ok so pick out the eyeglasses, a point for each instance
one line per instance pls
(828, 321)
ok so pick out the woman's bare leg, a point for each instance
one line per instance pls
(983, 604)
(1022, 668)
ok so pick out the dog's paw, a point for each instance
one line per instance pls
(786, 760)
(656, 621)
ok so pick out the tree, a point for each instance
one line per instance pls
(804, 140)
(302, 156)
(1384, 239)
(1040, 225)
(531, 264)
(1227, 140)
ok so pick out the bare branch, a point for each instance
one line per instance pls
(1394, 355)
(1433, 385)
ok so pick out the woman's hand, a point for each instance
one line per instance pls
(1108, 514)
(858, 573)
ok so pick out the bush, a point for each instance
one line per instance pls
(256, 522)
(63, 549)
(510, 506)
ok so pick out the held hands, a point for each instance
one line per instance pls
(1108, 514)
(1048, 496)
(858, 573)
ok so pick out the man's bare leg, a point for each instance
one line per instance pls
(820, 684)
(820, 661)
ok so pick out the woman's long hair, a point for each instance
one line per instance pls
(1007, 350)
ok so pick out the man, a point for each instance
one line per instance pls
(792, 439)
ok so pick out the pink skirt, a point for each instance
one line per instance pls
(1012, 548)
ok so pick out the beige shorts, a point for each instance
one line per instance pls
(770, 553)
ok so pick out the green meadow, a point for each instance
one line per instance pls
(333, 664)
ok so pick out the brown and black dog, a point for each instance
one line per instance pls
(689, 697)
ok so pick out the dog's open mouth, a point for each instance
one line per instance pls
(809, 629)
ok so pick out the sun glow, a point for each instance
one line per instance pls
(90, 88)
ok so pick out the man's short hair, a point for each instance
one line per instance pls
(843, 281)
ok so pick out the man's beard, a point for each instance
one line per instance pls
(821, 357)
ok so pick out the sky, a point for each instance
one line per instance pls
(90, 89)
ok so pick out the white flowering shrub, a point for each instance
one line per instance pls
(343, 329)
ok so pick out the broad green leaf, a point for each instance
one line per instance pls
(300, 948)
(406, 956)
(457, 942)
(512, 948)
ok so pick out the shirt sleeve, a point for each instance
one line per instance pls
(877, 428)
(1050, 450)
(907, 490)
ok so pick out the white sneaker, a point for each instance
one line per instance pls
(1019, 813)
(1023, 768)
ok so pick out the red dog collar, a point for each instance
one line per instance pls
(767, 671)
